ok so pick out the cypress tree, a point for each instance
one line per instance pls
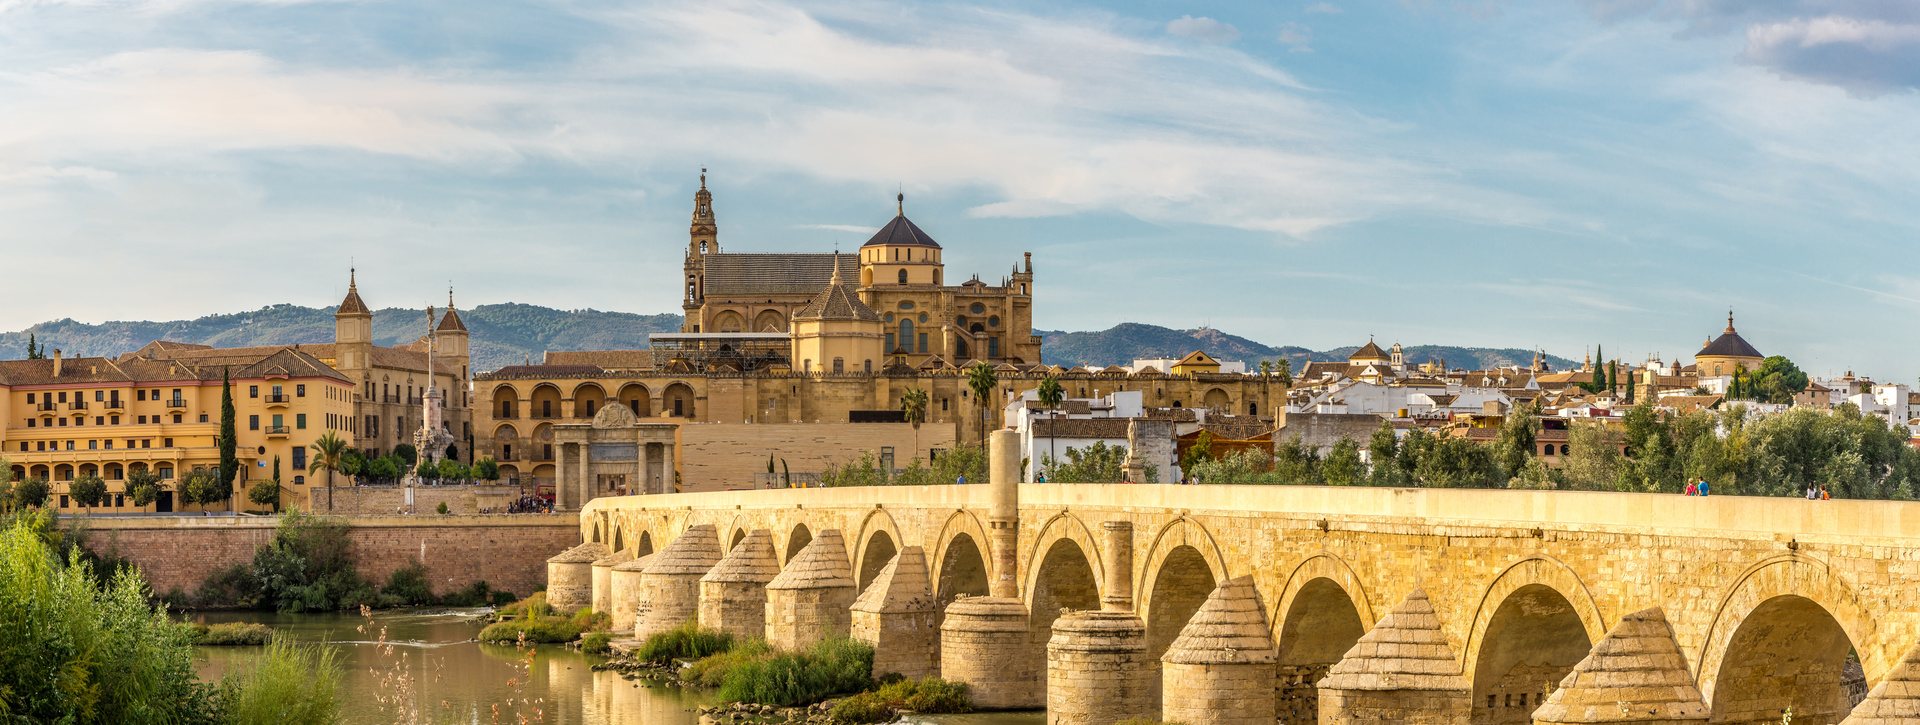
(229, 459)
(1613, 376)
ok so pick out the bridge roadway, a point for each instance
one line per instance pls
(1763, 598)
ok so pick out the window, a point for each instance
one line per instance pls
(889, 345)
(143, 420)
(137, 395)
(253, 422)
(869, 366)
(119, 499)
(147, 442)
(993, 321)
(299, 458)
(886, 458)
(279, 393)
(79, 420)
(253, 391)
(131, 443)
(923, 340)
(93, 445)
(63, 396)
(63, 499)
(63, 422)
(906, 334)
(29, 398)
(903, 276)
(176, 417)
(300, 421)
(114, 420)
(977, 308)
(943, 403)
(679, 409)
(993, 347)
(30, 422)
(589, 404)
(839, 365)
(99, 420)
(166, 473)
(166, 443)
(99, 395)
(300, 391)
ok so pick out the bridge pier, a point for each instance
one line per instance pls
(1400, 672)
(1896, 700)
(987, 642)
(733, 596)
(672, 581)
(899, 617)
(1098, 670)
(570, 576)
(1221, 670)
(603, 579)
(812, 599)
(1636, 674)
(628, 597)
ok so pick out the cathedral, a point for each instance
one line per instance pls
(887, 306)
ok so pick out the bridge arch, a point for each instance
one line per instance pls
(797, 538)
(1321, 612)
(960, 564)
(1064, 572)
(1063, 526)
(1789, 614)
(879, 541)
(1534, 622)
(1183, 564)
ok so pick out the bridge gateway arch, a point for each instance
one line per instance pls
(1296, 604)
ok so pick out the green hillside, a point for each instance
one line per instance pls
(508, 334)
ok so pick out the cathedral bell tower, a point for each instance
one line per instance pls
(353, 332)
(703, 238)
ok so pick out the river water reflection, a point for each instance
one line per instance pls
(471, 678)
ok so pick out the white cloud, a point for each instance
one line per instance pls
(1326, 8)
(1298, 38)
(1867, 56)
(1204, 29)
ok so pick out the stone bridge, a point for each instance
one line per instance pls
(1250, 604)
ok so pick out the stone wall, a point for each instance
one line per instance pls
(388, 500)
(721, 456)
(509, 552)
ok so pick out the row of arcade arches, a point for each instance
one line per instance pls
(1782, 638)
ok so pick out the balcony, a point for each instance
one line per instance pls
(77, 405)
(277, 431)
(115, 404)
(177, 403)
(48, 407)
(277, 400)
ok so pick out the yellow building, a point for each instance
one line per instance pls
(67, 418)
(1726, 353)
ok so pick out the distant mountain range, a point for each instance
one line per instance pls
(1133, 341)
(509, 334)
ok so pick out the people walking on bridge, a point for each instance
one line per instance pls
(1703, 487)
(1693, 489)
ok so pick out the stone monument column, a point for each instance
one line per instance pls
(1118, 537)
(581, 494)
(1004, 518)
(666, 468)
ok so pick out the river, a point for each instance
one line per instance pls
(454, 679)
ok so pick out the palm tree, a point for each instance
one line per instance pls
(914, 404)
(1050, 396)
(982, 381)
(328, 452)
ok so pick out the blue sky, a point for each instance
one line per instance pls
(1554, 173)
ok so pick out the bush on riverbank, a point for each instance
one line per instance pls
(542, 630)
(930, 695)
(242, 634)
(830, 667)
(597, 643)
(534, 606)
(292, 684)
(712, 671)
(591, 621)
(687, 641)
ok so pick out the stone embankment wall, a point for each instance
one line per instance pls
(509, 552)
(720, 456)
(390, 500)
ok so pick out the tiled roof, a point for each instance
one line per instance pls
(837, 302)
(774, 274)
(1369, 352)
(100, 370)
(352, 305)
(1080, 428)
(1729, 344)
(901, 232)
(451, 322)
(382, 357)
(605, 359)
(546, 371)
(1178, 415)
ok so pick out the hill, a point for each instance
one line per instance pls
(507, 334)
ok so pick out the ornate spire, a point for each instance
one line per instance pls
(901, 200)
(1730, 321)
(836, 269)
(352, 304)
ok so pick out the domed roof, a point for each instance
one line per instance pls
(1370, 352)
(901, 232)
(1729, 344)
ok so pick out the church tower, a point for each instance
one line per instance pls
(703, 238)
(353, 333)
(453, 346)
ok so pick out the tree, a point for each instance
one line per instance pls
(1382, 452)
(1200, 452)
(143, 486)
(451, 471)
(982, 381)
(1283, 371)
(229, 440)
(329, 454)
(1613, 376)
(1051, 395)
(1778, 380)
(1342, 466)
(33, 348)
(1518, 436)
(6, 485)
(265, 492)
(88, 490)
(31, 493)
(489, 470)
(1630, 377)
(406, 453)
(914, 404)
(385, 468)
(426, 471)
(200, 487)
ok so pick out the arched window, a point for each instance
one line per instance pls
(869, 366)
(903, 276)
(906, 334)
(936, 276)
(1566, 450)
(703, 246)
(839, 365)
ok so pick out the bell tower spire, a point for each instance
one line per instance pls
(703, 238)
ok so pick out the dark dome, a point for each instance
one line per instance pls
(901, 233)
(1729, 344)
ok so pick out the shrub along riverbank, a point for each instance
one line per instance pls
(79, 650)
(754, 677)
(308, 566)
